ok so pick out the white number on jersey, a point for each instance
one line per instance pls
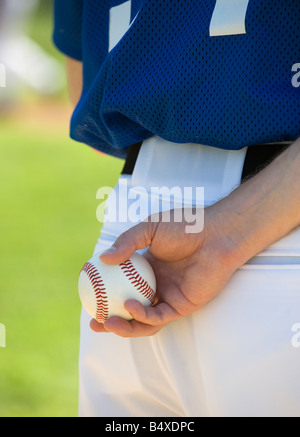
(119, 22)
(229, 17)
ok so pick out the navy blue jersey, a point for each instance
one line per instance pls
(220, 73)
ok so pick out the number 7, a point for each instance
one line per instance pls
(229, 17)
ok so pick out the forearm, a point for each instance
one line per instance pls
(74, 74)
(264, 209)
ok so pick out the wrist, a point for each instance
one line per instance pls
(224, 239)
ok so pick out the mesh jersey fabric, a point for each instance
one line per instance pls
(67, 34)
(168, 77)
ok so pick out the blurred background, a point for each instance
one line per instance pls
(47, 218)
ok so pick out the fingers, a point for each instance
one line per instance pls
(146, 320)
(124, 328)
(157, 315)
(136, 238)
(97, 327)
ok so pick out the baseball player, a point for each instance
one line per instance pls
(194, 94)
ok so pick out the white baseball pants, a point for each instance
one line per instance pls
(237, 356)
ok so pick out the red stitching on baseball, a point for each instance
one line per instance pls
(142, 286)
(99, 289)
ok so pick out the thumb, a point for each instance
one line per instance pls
(136, 238)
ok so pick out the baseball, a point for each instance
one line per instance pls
(104, 288)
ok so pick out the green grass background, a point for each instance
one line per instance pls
(48, 230)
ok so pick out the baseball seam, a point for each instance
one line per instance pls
(99, 290)
(137, 281)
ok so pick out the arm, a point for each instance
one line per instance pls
(191, 269)
(67, 37)
(74, 74)
(267, 207)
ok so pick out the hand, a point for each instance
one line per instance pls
(190, 269)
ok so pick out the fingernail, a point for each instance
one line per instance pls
(109, 251)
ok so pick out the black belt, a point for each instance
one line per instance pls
(257, 157)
